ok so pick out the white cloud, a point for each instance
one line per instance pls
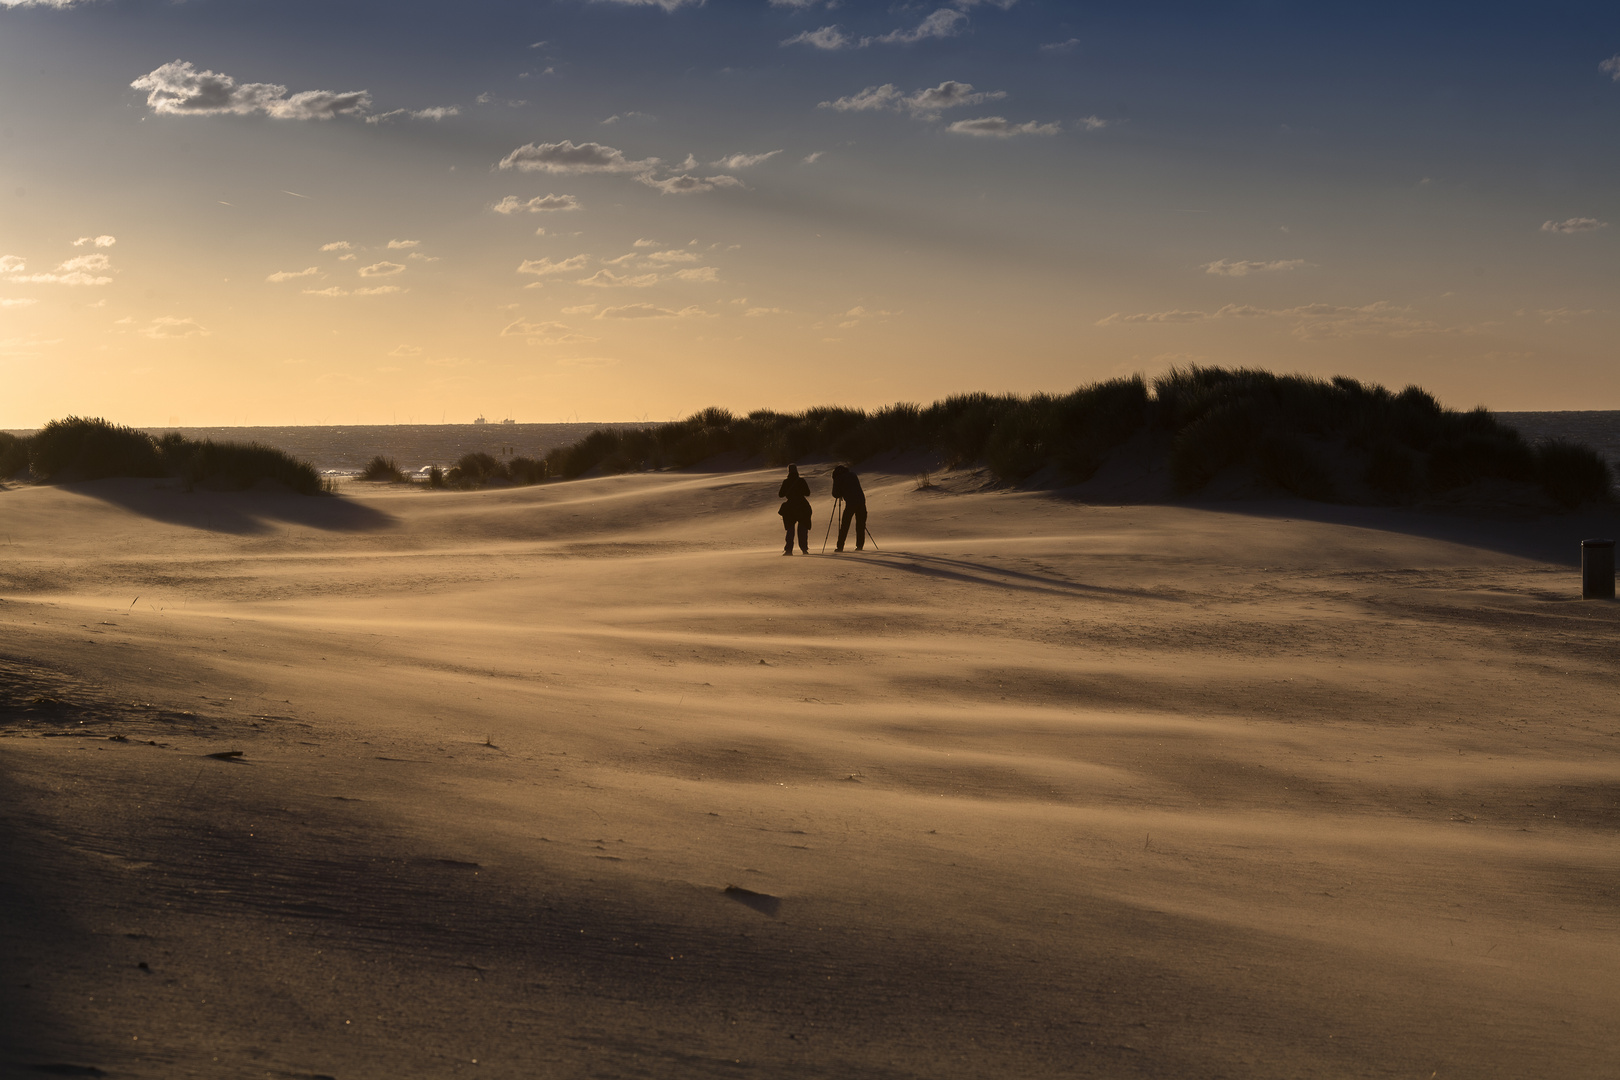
(540, 204)
(80, 270)
(169, 326)
(1245, 267)
(1611, 67)
(689, 185)
(350, 257)
(1092, 123)
(674, 255)
(330, 291)
(417, 256)
(544, 333)
(378, 290)
(566, 157)
(1061, 46)
(405, 350)
(761, 312)
(289, 275)
(607, 279)
(39, 3)
(947, 95)
(382, 269)
(998, 127)
(649, 311)
(17, 301)
(579, 309)
(644, 243)
(941, 24)
(812, 158)
(743, 161)
(1574, 225)
(699, 273)
(402, 245)
(337, 245)
(642, 117)
(667, 5)
(802, 5)
(98, 241)
(545, 266)
(828, 37)
(433, 112)
(1311, 321)
(925, 104)
(180, 89)
(873, 97)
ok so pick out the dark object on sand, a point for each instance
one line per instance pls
(1597, 569)
(226, 755)
(764, 903)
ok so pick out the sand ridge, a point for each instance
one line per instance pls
(1042, 787)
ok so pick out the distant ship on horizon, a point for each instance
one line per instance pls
(509, 420)
(480, 419)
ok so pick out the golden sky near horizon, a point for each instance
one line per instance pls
(636, 208)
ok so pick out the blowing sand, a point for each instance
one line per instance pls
(588, 780)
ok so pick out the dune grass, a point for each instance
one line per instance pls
(383, 470)
(80, 448)
(13, 455)
(478, 470)
(1316, 438)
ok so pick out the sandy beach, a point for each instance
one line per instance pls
(587, 780)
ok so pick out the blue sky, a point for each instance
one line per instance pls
(788, 204)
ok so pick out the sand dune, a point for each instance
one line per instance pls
(1041, 788)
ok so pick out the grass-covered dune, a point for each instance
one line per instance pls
(1336, 439)
(77, 448)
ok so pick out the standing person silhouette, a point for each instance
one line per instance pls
(847, 486)
(796, 511)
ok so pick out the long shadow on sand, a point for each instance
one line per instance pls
(1550, 538)
(977, 573)
(240, 513)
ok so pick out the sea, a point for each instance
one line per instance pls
(344, 450)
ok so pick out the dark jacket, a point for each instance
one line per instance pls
(796, 490)
(847, 486)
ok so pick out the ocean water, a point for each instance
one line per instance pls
(344, 450)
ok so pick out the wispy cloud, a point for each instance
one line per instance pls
(827, 37)
(81, 270)
(698, 274)
(744, 161)
(540, 204)
(684, 184)
(289, 275)
(403, 245)
(925, 104)
(943, 23)
(674, 255)
(1061, 46)
(607, 279)
(567, 157)
(999, 127)
(178, 88)
(1245, 267)
(382, 269)
(544, 333)
(17, 301)
(667, 5)
(650, 311)
(165, 327)
(338, 245)
(1611, 67)
(546, 266)
(1574, 225)
(434, 112)
(1380, 318)
(98, 241)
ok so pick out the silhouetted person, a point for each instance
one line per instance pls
(796, 511)
(847, 486)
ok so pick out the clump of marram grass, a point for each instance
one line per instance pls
(382, 470)
(478, 470)
(1315, 438)
(13, 455)
(77, 448)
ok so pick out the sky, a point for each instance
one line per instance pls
(294, 212)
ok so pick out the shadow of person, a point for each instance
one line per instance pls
(239, 513)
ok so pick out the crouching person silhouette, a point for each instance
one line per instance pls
(847, 486)
(795, 511)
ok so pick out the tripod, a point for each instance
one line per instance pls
(829, 526)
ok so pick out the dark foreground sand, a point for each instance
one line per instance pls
(1042, 789)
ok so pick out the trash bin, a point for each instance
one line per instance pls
(1597, 569)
